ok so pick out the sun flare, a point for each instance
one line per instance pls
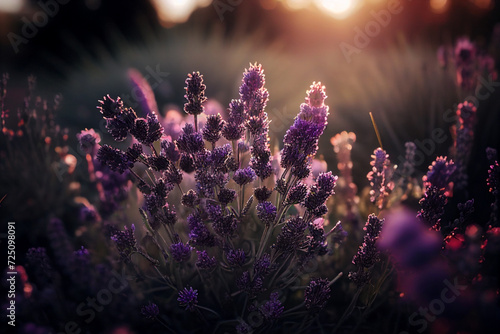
(337, 8)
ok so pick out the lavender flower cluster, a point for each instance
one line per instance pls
(235, 184)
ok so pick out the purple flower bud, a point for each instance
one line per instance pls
(236, 112)
(134, 152)
(236, 257)
(195, 94)
(440, 173)
(296, 194)
(213, 128)
(198, 232)
(190, 141)
(115, 159)
(316, 294)
(291, 236)
(266, 211)
(89, 141)
(180, 252)
(205, 261)
(190, 199)
(233, 131)
(226, 196)
(158, 163)
(110, 108)
(262, 266)
(125, 242)
(150, 311)
(170, 151)
(244, 176)
(188, 298)
(173, 176)
(272, 309)
(432, 204)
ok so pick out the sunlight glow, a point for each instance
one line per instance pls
(11, 6)
(337, 8)
(439, 6)
(176, 11)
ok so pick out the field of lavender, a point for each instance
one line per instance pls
(241, 211)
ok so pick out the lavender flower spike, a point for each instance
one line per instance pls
(301, 140)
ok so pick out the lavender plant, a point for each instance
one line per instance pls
(236, 266)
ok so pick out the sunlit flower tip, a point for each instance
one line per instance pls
(379, 159)
(272, 309)
(205, 261)
(180, 252)
(125, 242)
(373, 226)
(190, 199)
(114, 158)
(226, 196)
(244, 176)
(150, 311)
(236, 257)
(316, 95)
(466, 112)
(110, 108)
(326, 182)
(266, 211)
(213, 128)
(88, 140)
(188, 298)
(195, 94)
(317, 294)
(262, 194)
(440, 173)
(253, 78)
(155, 129)
(494, 178)
(170, 151)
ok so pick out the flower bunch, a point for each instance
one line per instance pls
(224, 158)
